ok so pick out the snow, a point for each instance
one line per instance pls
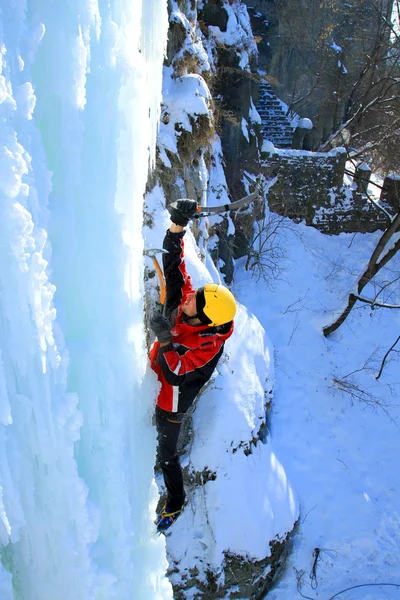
(245, 130)
(186, 95)
(257, 481)
(339, 453)
(268, 146)
(290, 152)
(184, 98)
(336, 48)
(305, 124)
(78, 124)
(217, 192)
(253, 113)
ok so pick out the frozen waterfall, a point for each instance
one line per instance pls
(80, 89)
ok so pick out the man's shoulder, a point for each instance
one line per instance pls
(225, 330)
(220, 332)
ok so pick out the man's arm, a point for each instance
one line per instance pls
(174, 228)
(176, 367)
(178, 282)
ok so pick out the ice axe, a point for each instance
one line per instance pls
(206, 211)
(152, 253)
(262, 187)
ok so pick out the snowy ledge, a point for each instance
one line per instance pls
(268, 149)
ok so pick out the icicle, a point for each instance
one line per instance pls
(153, 47)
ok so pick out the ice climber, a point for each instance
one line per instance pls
(191, 333)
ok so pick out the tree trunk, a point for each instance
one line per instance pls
(331, 328)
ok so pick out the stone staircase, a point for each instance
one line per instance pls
(275, 124)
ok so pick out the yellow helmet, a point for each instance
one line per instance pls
(215, 304)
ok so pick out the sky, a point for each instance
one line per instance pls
(78, 127)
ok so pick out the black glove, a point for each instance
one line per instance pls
(161, 327)
(182, 210)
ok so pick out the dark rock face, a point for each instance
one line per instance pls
(214, 14)
(176, 37)
(243, 577)
(233, 87)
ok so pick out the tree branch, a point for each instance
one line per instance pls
(373, 303)
(372, 269)
(385, 357)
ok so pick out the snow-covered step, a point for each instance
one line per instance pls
(275, 124)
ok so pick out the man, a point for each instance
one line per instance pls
(191, 332)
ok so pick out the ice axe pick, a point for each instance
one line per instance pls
(152, 253)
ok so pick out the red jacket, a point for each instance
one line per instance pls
(185, 365)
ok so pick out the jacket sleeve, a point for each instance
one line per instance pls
(176, 367)
(178, 282)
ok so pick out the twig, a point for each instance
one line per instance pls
(299, 577)
(295, 328)
(385, 357)
(311, 509)
(357, 393)
(387, 284)
(373, 303)
(352, 239)
(368, 365)
(299, 301)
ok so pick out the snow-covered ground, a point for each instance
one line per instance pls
(339, 452)
(334, 428)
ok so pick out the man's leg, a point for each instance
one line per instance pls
(168, 428)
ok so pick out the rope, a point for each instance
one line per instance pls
(353, 587)
(314, 581)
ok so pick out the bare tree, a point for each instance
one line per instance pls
(384, 251)
(344, 69)
(265, 253)
(371, 117)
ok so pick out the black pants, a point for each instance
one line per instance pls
(168, 428)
